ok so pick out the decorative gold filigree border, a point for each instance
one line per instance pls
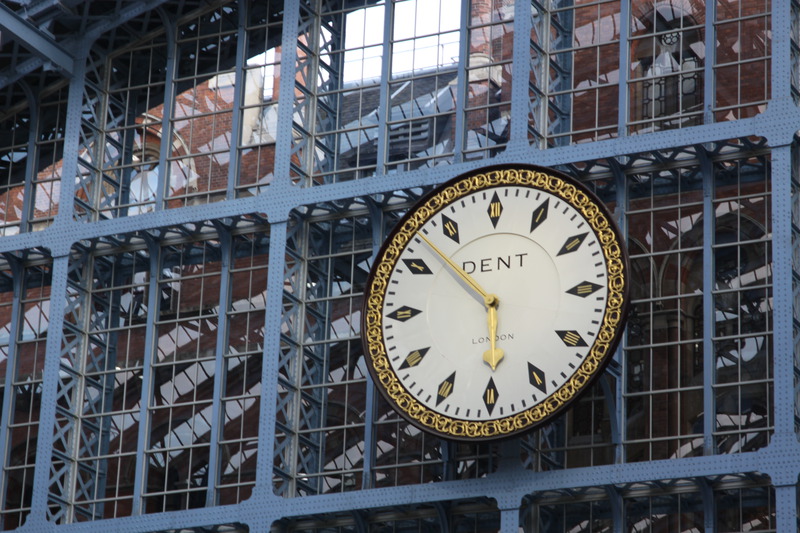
(613, 319)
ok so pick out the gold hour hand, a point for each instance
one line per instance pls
(493, 355)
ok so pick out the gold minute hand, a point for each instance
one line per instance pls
(462, 273)
(493, 355)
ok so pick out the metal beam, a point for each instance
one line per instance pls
(113, 20)
(35, 40)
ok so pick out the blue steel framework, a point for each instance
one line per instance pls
(152, 248)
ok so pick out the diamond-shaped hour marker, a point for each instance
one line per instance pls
(539, 214)
(404, 313)
(495, 209)
(445, 388)
(572, 244)
(414, 358)
(571, 338)
(537, 377)
(584, 289)
(450, 228)
(417, 266)
(490, 396)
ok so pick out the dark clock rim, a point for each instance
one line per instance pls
(612, 345)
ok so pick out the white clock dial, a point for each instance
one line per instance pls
(493, 305)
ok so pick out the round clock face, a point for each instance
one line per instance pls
(495, 302)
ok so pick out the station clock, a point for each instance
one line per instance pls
(495, 301)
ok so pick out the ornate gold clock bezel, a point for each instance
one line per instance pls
(600, 353)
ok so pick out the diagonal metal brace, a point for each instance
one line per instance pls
(35, 40)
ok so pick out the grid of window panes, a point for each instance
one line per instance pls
(422, 90)
(132, 140)
(339, 132)
(26, 324)
(664, 359)
(242, 366)
(324, 412)
(45, 188)
(201, 121)
(667, 54)
(177, 450)
(742, 58)
(326, 419)
(742, 297)
(348, 91)
(583, 436)
(539, 72)
(13, 161)
(487, 105)
(666, 362)
(142, 329)
(582, 78)
(258, 81)
(742, 502)
(106, 327)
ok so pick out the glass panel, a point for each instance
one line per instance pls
(26, 364)
(202, 109)
(488, 102)
(742, 61)
(13, 161)
(583, 77)
(667, 54)
(422, 95)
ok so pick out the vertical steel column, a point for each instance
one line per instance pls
(270, 369)
(462, 83)
(565, 21)
(220, 368)
(308, 456)
(240, 77)
(782, 209)
(125, 173)
(62, 224)
(308, 110)
(709, 314)
(148, 379)
(520, 73)
(785, 439)
(386, 77)
(782, 327)
(29, 192)
(283, 141)
(618, 415)
(709, 507)
(72, 382)
(708, 66)
(624, 65)
(376, 219)
(165, 149)
(47, 415)
(280, 187)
